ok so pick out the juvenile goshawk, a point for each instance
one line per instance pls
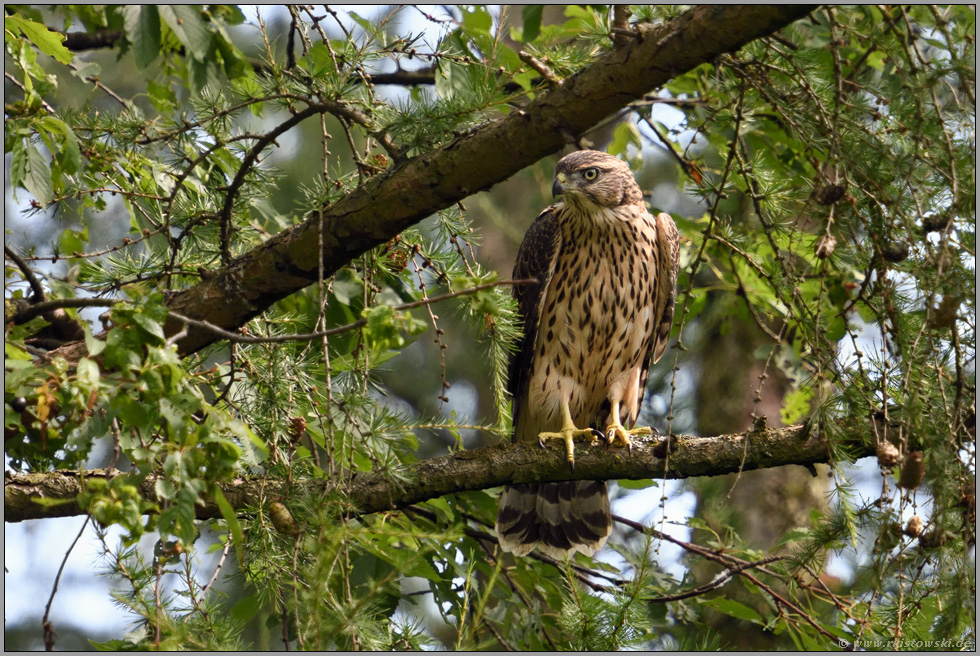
(599, 315)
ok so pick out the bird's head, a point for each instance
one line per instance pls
(591, 178)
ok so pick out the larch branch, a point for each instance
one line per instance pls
(418, 187)
(52, 494)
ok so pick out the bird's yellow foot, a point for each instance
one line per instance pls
(616, 432)
(568, 435)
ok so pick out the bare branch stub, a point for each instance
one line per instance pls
(621, 26)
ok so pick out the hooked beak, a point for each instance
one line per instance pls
(558, 188)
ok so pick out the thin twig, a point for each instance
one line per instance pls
(624, 35)
(98, 85)
(688, 167)
(48, 108)
(248, 339)
(542, 68)
(48, 629)
(338, 109)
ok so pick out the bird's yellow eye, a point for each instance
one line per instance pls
(591, 174)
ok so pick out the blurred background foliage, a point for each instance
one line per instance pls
(823, 179)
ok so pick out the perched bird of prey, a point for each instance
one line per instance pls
(598, 317)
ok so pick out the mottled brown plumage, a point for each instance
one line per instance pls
(599, 316)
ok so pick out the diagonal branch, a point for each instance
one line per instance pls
(28, 273)
(52, 494)
(414, 189)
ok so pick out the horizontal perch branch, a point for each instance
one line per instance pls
(52, 494)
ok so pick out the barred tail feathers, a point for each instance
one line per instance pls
(557, 518)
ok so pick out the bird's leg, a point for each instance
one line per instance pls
(568, 433)
(617, 432)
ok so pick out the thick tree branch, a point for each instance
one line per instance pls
(37, 495)
(404, 78)
(26, 312)
(95, 40)
(414, 189)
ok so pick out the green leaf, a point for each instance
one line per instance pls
(69, 155)
(423, 569)
(123, 349)
(810, 643)
(318, 62)
(203, 72)
(249, 87)
(246, 608)
(531, 14)
(382, 330)
(49, 42)
(733, 609)
(363, 22)
(641, 484)
(795, 535)
(117, 645)
(84, 70)
(173, 413)
(16, 357)
(876, 60)
(72, 241)
(254, 449)
(837, 329)
(143, 31)
(697, 522)
(234, 527)
(185, 21)
(624, 135)
(796, 405)
(18, 165)
(37, 177)
(149, 324)
(162, 96)
(178, 519)
(442, 508)
(477, 21)
(88, 371)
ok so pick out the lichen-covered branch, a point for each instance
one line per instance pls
(52, 494)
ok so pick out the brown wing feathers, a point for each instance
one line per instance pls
(535, 259)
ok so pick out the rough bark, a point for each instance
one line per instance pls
(414, 189)
(52, 494)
